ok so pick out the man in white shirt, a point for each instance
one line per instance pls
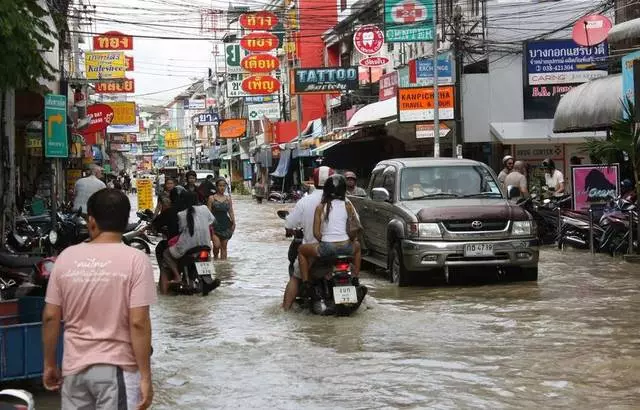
(87, 186)
(517, 178)
(302, 216)
(553, 178)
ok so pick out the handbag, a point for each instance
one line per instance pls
(353, 222)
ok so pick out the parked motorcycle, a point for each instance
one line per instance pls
(196, 272)
(285, 197)
(616, 226)
(334, 290)
(23, 275)
(136, 236)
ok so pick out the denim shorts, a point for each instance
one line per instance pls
(333, 249)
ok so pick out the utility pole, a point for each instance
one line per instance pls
(436, 97)
(457, 138)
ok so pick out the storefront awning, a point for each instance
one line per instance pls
(537, 132)
(627, 31)
(591, 106)
(317, 152)
(283, 164)
(376, 112)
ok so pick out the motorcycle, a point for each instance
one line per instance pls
(196, 273)
(284, 197)
(14, 399)
(136, 236)
(334, 290)
(22, 275)
(615, 223)
(545, 214)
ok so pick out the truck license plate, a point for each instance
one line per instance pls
(204, 268)
(478, 249)
(344, 294)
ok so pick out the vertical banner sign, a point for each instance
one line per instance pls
(408, 20)
(145, 193)
(594, 184)
(55, 138)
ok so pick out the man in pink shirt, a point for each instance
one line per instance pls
(102, 290)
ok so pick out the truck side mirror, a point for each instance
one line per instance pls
(513, 192)
(380, 194)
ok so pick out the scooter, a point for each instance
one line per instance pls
(334, 290)
(196, 272)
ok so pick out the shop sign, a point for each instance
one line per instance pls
(628, 77)
(259, 42)
(144, 186)
(124, 112)
(324, 80)
(33, 141)
(260, 84)
(128, 63)
(564, 62)
(417, 104)
(541, 101)
(259, 20)
(422, 68)
(232, 128)
(268, 110)
(101, 116)
(194, 104)
(408, 20)
(594, 184)
(120, 147)
(233, 56)
(126, 86)
(104, 65)
(538, 152)
(388, 86)
(206, 118)
(113, 40)
(428, 130)
(374, 61)
(368, 39)
(260, 63)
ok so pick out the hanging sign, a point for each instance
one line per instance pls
(113, 40)
(428, 130)
(259, 20)
(368, 39)
(127, 86)
(233, 128)
(324, 80)
(374, 61)
(128, 63)
(259, 42)
(417, 104)
(144, 186)
(101, 116)
(260, 84)
(260, 63)
(104, 65)
(124, 112)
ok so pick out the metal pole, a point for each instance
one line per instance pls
(630, 250)
(456, 138)
(559, 233)
(591, 244)
(436, 102)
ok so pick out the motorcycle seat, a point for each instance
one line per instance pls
(192, 254)
(18, 261)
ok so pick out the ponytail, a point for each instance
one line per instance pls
(190, 221)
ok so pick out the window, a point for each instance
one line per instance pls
(389, 182)
(377, 179)
(343, 5)
(458, 181)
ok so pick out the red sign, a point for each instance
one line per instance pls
(260, 63)
(128, 61)
(259, 20)
(101, 116)
(260, 84)
(259, 42)
(374, 61)
(368, 39)
(591, 30)
(388, 86)
(126, 86)
(112, 40)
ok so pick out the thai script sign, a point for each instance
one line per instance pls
(388, 86)
(113, 40)
(259, 20)
(260, 84)
(374, 61)
(258, 42)
(232, 128)
(564, 62)
(104, 65)
(260, 63)
(541, 101)
(417, 104)
(206, 118)
(234, 54)
(126, 86)
(594, 184)
(128, 63)
(124, 112)
(324, 80)
(268, 110)
(408, 20)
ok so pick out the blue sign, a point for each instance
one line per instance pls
(564, 62)
(627, 77)
(207, 118)
(424, 67)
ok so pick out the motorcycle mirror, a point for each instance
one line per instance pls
(546, 201)
(282, 214)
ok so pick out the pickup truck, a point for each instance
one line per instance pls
(427, 215)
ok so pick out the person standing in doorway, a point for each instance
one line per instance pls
(102, 291)
(507, 162)
(87, 186)
(225, 221)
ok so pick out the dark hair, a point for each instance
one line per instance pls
(218, 180)
(335, 187)
(189, 200)
(191, 174)
(548, 164)
(110, 208)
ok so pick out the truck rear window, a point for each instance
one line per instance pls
(467, 180)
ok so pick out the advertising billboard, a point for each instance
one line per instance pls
(594, 184)
(417, 104)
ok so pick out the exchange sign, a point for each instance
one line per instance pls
(324, 80)
(104, 65)
(408, 20)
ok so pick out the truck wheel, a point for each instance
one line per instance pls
(529, 274)
(398, 274)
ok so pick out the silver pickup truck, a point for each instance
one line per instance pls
(427, 215)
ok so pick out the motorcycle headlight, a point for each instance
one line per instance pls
(522, 228)
(425, 230)
(53, 237)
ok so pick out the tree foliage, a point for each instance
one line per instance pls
(624, 143)
(24, 36)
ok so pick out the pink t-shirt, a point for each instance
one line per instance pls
(96, 285)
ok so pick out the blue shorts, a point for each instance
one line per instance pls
(333, 249)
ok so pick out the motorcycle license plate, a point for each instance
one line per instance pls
(204, 268)
(344, 294)
(478, 249)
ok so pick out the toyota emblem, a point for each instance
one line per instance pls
(476, 224)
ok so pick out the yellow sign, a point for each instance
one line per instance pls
(145, 193)
(124, 113)
(104, 65)
(171, 144)
(73, 175)
(172, 136)
(34, 142)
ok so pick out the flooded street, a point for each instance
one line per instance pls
(571, 340)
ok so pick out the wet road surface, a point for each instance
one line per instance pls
(571, 340)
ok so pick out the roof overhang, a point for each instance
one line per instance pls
(627, 31)
(538, 132)
(378, 112)
(590, 106)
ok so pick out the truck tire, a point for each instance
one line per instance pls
(398, 274)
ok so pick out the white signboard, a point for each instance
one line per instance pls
(196, 104)
(428, 131)
(234, 90)
(260, 111)
(527, 152)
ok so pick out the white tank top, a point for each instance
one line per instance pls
(335, 229)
